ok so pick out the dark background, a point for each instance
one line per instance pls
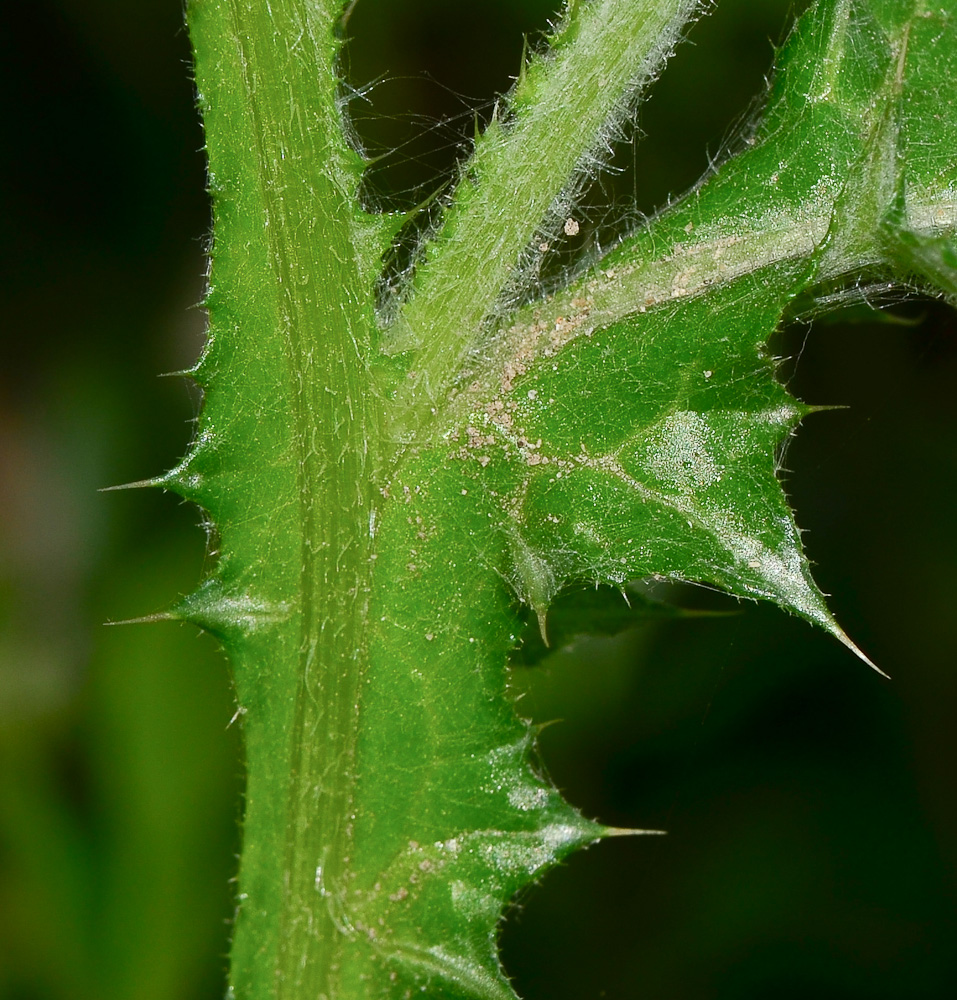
(810, 804)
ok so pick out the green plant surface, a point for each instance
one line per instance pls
(385, 499)
(809, 805)
(369, 627)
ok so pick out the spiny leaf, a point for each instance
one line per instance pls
(636, 432)
(677, 476)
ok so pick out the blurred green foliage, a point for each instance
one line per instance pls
(810, 806)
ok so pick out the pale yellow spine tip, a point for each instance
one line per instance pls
(160, 616)
(620, 831)
(855, 649)
(140, 484)
(542, 615)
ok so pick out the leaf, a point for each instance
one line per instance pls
(631, 426)
(676, 477)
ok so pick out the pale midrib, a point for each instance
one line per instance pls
(688, 270)
(331, 443)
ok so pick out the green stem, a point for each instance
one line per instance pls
(564, 107)
(283, 180)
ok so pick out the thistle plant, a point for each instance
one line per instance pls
(399, 469)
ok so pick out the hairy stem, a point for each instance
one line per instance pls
(282, 181)
(564, 106)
